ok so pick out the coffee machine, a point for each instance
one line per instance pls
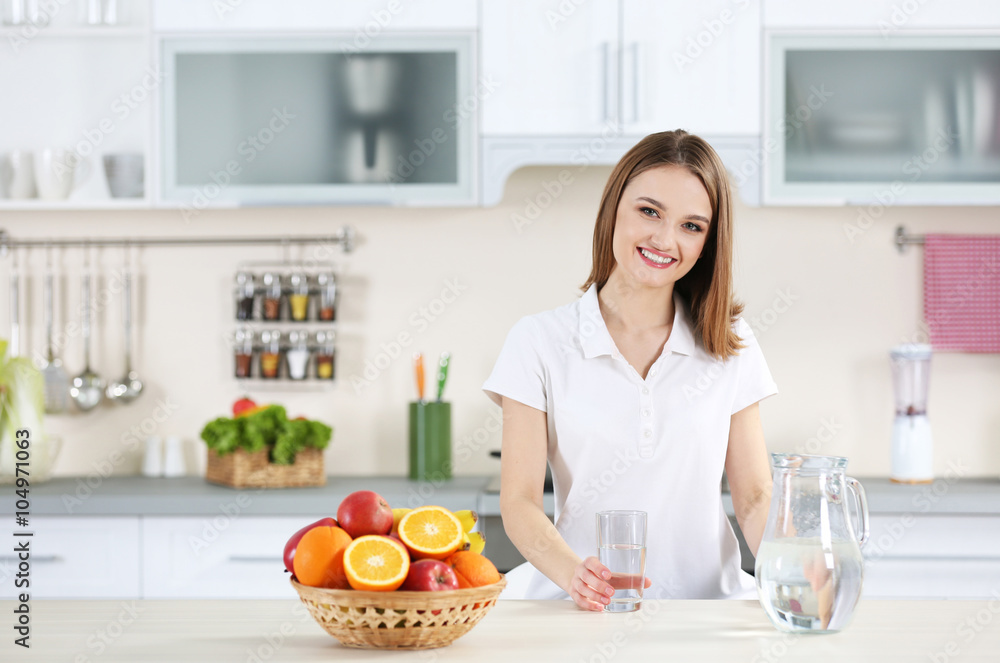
(912, 443)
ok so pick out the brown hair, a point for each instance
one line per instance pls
(708, 287)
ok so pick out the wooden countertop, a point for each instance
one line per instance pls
(525, 631)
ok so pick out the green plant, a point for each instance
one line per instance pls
(268, 428)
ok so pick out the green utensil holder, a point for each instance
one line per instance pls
(430, 441)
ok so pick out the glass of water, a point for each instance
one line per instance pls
(621, 546)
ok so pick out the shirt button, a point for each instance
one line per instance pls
(645, 413)
(647, 433)
(645, 390)
(652, 372)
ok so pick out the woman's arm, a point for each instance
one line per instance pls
(522, 477)
(749, 472)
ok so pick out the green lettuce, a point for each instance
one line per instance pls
(268, 428)
(22, 403)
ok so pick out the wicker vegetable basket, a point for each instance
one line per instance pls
(242, 469)
(399, 620)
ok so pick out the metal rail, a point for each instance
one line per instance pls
(345, 237)
(902, 239)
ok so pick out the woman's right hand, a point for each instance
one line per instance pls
(589, 587)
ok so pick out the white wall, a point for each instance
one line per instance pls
(827, 351)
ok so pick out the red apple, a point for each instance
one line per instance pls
(364, 512)
(429, 575)
(293, 542)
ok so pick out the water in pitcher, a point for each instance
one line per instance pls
(627, 564)
(805, 586)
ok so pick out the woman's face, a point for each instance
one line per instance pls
(661, 226)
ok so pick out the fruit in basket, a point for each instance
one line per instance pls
(474, 541)
(429, 575)
(431, 531)
(472, 569)
(319, 558)
(293, 542)
(397, 515)
(243, 405)
(468, 518)
(364, 512)
(376, 563)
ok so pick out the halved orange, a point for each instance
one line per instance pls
(376, 563)
(431, 531)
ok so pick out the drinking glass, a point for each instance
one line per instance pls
(621, 546)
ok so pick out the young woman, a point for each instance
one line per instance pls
(638, 394)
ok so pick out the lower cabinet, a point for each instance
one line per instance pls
(74, 558)
(217, 557)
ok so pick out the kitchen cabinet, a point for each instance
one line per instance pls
(885, 16)
(76, 557)
(365, 20)
(219, 556)
(249, 120)
(919, 127)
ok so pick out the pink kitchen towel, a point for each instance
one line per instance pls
(962, 292)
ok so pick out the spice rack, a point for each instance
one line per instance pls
(286, 318)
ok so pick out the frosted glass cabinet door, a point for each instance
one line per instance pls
(280, 120)
(863, 119)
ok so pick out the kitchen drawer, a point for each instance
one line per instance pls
(932, 579)
(78, 557)
(217, 557)
(907, 536)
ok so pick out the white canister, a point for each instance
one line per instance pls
(173, 457)
(152, 457)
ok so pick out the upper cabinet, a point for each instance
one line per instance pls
(886, 17)
(251, 120)
(365, 20)
(624, 66)
(919, 127)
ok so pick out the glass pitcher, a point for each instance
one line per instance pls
(809, 567)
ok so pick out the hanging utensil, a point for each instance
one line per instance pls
(56, 379)
(128, 388)
(87, 388)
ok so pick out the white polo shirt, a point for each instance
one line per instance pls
(616, 441)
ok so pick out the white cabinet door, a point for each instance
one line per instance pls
(549, 67)
(77, 558)
(885, 16)
(367, 19)
(217, 556)
(691, 65)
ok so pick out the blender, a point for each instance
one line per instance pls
(912, 444)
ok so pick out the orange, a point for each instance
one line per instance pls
(431, 532)
(376, 563)
(319, 558)
(472, 569)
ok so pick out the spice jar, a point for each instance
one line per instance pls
(297, 354)
(325, 352)
(244, 295)
(243, 352)
(271, 309)
(299, 298)
(326, 309)
(270, 353)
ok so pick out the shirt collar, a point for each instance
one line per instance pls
(596, 339)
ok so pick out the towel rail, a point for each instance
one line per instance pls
(902, 239)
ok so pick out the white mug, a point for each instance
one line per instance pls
(56, 170)
(20, 175)
(152, 459)
(173, 459)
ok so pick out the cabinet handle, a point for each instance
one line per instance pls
(251, 559)
(40, 559)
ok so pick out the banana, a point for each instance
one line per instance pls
(477, 541)
(397, 515)
(468, 518)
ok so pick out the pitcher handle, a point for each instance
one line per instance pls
(862, 501)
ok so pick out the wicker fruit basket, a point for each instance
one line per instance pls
(242, 469)
(399, 620)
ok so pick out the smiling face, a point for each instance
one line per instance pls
(661, 227)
